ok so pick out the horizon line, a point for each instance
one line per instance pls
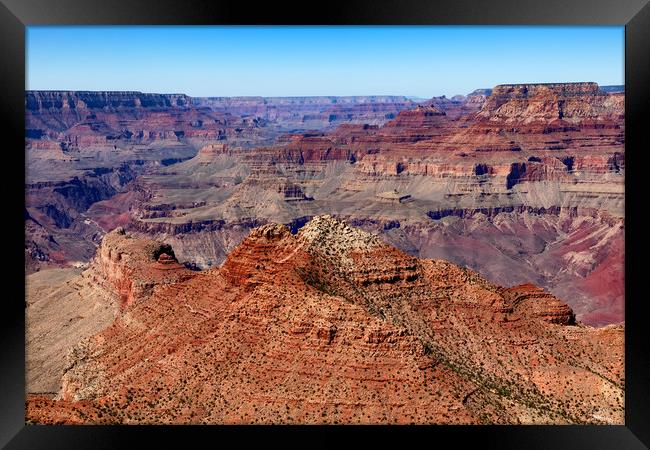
(321, 95)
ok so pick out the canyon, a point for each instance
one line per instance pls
(84, 148)
(326, 325)
(523, 183)
(371, 259)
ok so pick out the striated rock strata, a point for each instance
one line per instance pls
(82, 137)
(524, 183)
(331, 325)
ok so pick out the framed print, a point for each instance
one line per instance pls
(398, 221)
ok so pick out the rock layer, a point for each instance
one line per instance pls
(513, 181)
(332, 325)
(520, 174)
(77, 137)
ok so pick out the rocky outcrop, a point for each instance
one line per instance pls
(562, 102)
(331, 325)
(422, 116)
(211, 151)
(131, 268)
(529, 299)
(67, 306)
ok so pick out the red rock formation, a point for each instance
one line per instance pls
(510, 158)
(530, 300)
(123, 266)
(420, 117)
(491, 178)
(212, 150)
(333, 326)
(83, 120)
(560, 103)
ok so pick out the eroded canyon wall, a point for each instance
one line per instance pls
(523, 183)
(529, 186)
(84, 148)
(329, 325)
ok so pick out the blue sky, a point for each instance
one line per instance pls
(294, 61)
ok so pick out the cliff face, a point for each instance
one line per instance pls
(331, 325)
(131, 268)
(63, 225)
(567, 102)
(88, 118)
(66, 306)
(85, 122)
(423, 116)
(84, 100)
(82, 119)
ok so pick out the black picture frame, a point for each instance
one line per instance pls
(15, 15)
